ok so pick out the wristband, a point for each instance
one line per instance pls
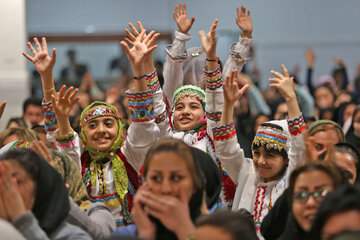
(138, 78)
(213, 60)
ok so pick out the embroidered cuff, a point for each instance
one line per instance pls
(66, 141)
(213, 116)
(224, 132)
(153, 81)
(160, 118)
(179, 58)
(296, 125)
(141, 106)
(239, 56)
(213, 79)
(49, 116)
(182, 36)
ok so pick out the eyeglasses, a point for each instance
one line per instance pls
(303, 197)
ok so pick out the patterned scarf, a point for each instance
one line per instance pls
(100, 109)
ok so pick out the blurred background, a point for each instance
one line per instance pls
(87, 33)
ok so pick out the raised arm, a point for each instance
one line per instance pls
(232, 92)
(2, 108)
(208, 43)
(182, 21)
(240, 51)
(142, 46)
(244, 22)
(284, 83)
(44, 64)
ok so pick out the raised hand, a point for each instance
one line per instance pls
(65, 102)
(232, 91)
(208, 41)
(283, 83)
(148, 59)
(310, 57)
(244, 22)
(339, 61)
(180, 16)
(2, 108)
(41, 59)
(142, 45)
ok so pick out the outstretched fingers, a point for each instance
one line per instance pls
(133, 29)
(130, 35)
(37, 44)
(286, 72)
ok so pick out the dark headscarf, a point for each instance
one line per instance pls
(350, 135)
(51, 205)
(210, 181)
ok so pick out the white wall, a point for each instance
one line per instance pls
(13, 72)
(282, 28)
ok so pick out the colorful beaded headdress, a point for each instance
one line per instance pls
(190, 91)
(273, 135)
(100, 109)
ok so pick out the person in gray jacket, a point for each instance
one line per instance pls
(33, 197)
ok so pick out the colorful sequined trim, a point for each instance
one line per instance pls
(50, 118)
(99, 111)
(153, 81)
(141, 106)
(180, 58)
(213, 79)
(20, 144)
(160, 118)
(224, 132)
(259, 204)
(271, 138)
(110, 200)
(297, 125)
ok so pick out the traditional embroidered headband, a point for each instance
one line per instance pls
(190, 91)
(98, 111)
(271, 138)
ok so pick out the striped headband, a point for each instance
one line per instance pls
(190, 91)
(98, 111)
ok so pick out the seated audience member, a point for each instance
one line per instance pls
(8, 231)
(325, 133)
(308, 186)
(353, 134)
(339, 212)
(164, 208)
(34, 197)
(225, 225)
(347, 157)
(14, 134)
(17, 122)
(32, 111)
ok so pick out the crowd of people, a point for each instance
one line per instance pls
(194, 151)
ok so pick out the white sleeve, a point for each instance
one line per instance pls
(239, 54)
(228, 150)
(173, 72)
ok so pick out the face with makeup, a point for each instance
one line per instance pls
(168, 174)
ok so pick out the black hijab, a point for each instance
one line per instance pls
(210, 181)
(51, 205)
(350, 135)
